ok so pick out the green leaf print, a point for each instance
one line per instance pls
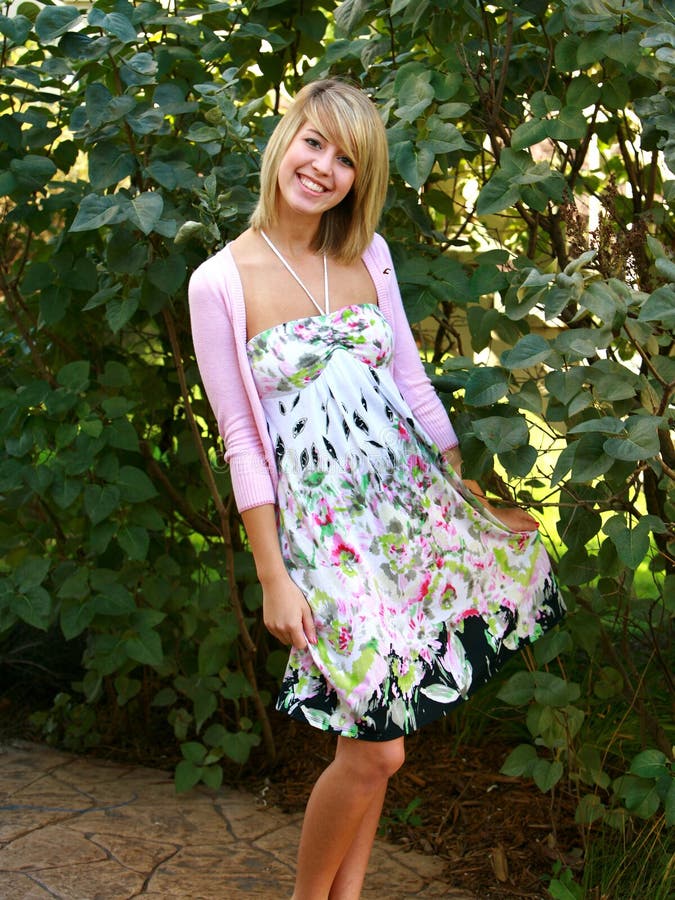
(440, 693)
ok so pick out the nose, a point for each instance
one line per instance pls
(323, 162)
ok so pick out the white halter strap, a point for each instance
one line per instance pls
(288, 266)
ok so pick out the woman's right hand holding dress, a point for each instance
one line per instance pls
(286, 612)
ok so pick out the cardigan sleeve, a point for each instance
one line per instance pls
(409, 373)
(215, 342)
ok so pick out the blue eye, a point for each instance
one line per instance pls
(346, 161)
(312, 142)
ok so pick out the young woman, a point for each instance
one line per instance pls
(398, 590)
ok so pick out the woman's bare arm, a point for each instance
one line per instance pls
(286, 613)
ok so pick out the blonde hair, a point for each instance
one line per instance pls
(346, 116)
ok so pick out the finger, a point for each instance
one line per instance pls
(299, 639)
(308, 624)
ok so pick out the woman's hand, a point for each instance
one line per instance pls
(513, 518)
(287, 614)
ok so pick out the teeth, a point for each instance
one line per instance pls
(312, 185)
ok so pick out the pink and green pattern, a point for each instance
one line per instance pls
(419, 595)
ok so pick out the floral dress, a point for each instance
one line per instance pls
(418, 593)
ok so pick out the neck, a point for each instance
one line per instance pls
(294, 235)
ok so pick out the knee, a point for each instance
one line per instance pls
(370, 763)
(392, 757)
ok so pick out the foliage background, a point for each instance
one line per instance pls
(530, 217)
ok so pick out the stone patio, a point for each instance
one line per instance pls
(77, 828)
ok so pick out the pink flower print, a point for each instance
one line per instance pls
(424, 587)
(325, 516)
(448, 595)
(343, 554)
(466, 613)
(403, 431)
(344, 638)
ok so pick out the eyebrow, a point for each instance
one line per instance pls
(315, 131)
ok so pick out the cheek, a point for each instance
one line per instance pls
(348, 181)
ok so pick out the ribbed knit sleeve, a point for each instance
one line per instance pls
(409, 373)
(219, 335)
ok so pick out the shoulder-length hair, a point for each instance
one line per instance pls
(346, 116)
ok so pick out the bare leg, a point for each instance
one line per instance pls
(349, 879)
(347, 793)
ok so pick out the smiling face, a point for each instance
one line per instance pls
(314, 175)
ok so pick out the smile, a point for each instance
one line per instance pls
(311, 185)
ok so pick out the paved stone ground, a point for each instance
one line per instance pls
(77, 828)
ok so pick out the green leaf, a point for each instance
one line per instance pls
(641, 440)
(529, 351)
(497, 195)
(590, 459)
(75, 618)
(109, 163)
(649, 764)
(659, 307)
(32, 171)
(135, 486)
(349, 15)
(551, 645)
(205, 704)
(528, 397)
(76, 586)
(96, 211)
(238, 745)
(101, 297)
(115, 601)
(590, 809)
(16, 29)
(33, 607)
(518, 690)
(119, 311)
(31, 573)
(631, 545)
(639, 794)
(146, 210)
(164, 697)
(115, 375)
(576, 567)
(113, 23)
(603, 424)
(187, 775)
(212, 776)
(414, 163)
(528, 133)
(134, 541)
(213, 654)
(518, 463)
(624, 47)
(486, 386)
(194, 752)
(547, 774)
(53, 21)
(551, 690)
(501, 434)
(415, 94)
(100, 501)
(520, 761)
(168, 274)
(145, 648)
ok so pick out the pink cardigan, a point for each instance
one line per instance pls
(218, 318)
